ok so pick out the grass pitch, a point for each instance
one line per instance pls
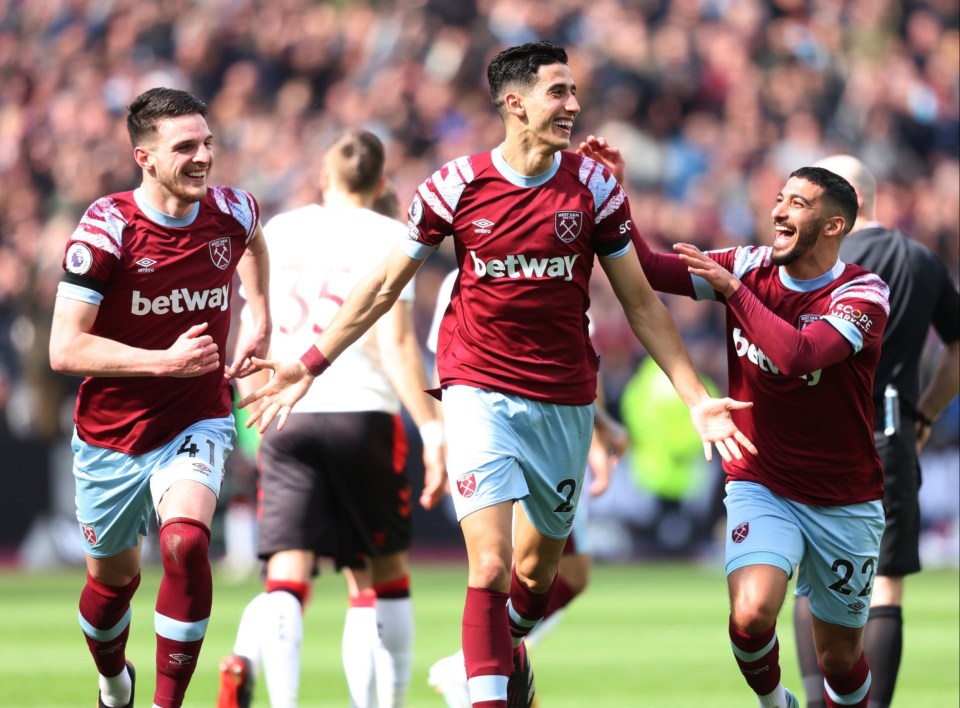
(643, 635)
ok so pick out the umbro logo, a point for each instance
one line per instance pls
(483, 226)
(146, 265)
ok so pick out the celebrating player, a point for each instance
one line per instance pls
(143, 313)
(517, 371)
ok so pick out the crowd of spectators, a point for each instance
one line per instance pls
(713, 102)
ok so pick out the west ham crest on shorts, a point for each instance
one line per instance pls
(467, 485)
(220, 253)
(567, 225)
(740, 533)
(89, 533)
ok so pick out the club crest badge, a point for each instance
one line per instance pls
(220, 253)
(89, 533)
(741, 532)
(467, 485)
(567, 225)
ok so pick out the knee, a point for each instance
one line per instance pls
(754, 615)
(838, 659)
(490, 571)
(184, 544)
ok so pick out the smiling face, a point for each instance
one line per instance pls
(798, 218)
(551, 106)
(179, 159)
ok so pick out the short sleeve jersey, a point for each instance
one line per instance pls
(317, 256)
(517, 321)
(815, 431)
(154, 277)
(921, 294)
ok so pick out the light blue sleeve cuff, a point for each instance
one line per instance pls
(78, 292)
(416, 250)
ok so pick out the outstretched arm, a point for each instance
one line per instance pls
(368, 301)
(655, 329)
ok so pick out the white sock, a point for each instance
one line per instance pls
(250, 633)
(543, 628)
(394, 653)
(115, 691)
(282, 635)
(357, 651)
(775, 699)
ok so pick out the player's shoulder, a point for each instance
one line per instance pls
(236, 203)
(284, 222)
(856, 282)
(463, 169)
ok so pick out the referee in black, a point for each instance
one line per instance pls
(921, 294)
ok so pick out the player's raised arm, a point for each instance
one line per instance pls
(372, 297)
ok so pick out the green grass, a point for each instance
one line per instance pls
(642, 635)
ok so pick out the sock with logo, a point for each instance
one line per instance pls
(487, 655)
(282, 638)
(105, 619)
(850, 689)
(250, 633)
(358, 648)
(526, 608)
(183, 606)
(394, 649)
(883, 645)
(758, 656)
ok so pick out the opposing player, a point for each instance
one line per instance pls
(921, 294)
(143, 313)
(448, 675)
(333, 483)
(803, 342)
(517, 371)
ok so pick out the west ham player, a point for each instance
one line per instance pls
(143, 313)
(517, 371)
(921, 294)
(803, 342)
(334, 483)
(448, 675)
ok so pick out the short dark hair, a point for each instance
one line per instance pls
(836, 190)
(153, 105)
(517, 67)
(356, 158)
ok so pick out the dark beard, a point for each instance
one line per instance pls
(805, 241)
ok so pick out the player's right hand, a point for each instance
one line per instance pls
(290, 383)
(193, 354)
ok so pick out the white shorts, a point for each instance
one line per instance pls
(117, 491)
(502, 448)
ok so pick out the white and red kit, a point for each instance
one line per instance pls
(525, 247)
(153, 277)
(814, 426)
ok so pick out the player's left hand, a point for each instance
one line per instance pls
(251, 344)
(610, 157)
(290, 382)
(700, 264)
(712, 420)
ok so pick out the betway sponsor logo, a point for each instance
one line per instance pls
(181, 300)
(519, 266)
(754, 354)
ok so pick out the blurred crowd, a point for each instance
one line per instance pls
(713, 102)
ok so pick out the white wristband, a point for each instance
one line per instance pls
(431, 433)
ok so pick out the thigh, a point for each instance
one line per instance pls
(112, 498)
(840, 562)
(198, 454)
(761, 529)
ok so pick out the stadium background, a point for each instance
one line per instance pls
(714, 102)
